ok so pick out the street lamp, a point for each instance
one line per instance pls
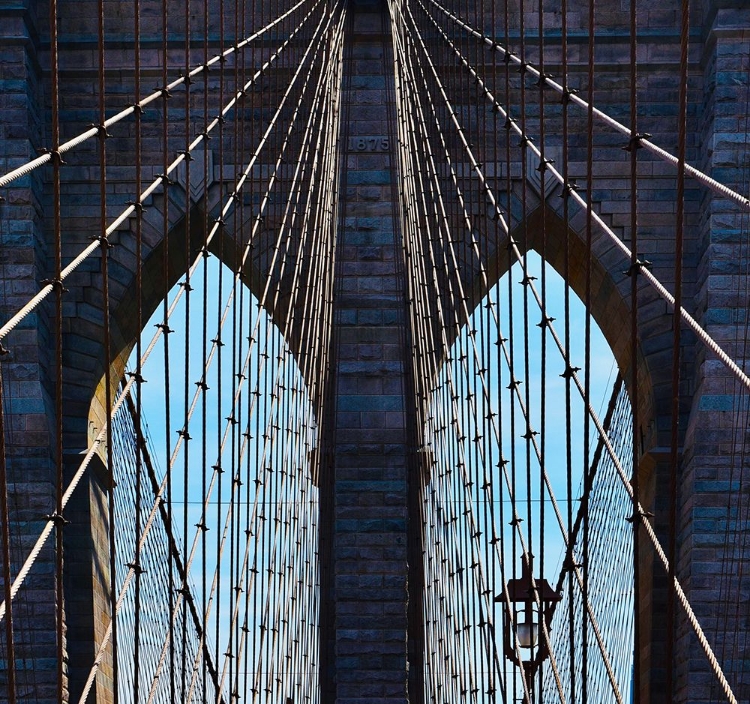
(530, 601)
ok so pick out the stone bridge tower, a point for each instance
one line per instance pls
(370, 545)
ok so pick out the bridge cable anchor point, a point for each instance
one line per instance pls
(543, 80)
(636, 266)
(543, 164)
(57, 284)
(101, 130)
(54, 154)
(639, 516)
(635, 141)
(567, 94)
(104, 241)
(137, 205)
(545, 322)
(58, 519)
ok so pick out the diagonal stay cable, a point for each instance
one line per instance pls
(441, 216)
(105, 639)
(521, 402)
(154, 186)
(464, 299)
(141, 104)
(505, 595)
(101, 436)
(415, 234)
(649, 529)
(298, 178)
(620, 245)
(647, 144)
(154, 482)
(254, 338)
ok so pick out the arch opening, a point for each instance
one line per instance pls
(508, 455)
(222, 496)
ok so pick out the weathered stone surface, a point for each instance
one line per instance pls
(367, 632)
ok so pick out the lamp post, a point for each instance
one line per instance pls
(522, 618)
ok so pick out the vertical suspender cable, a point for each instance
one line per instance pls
(543, 322)
(107, 344)
(587, 345)
(166, 331)
(202, 525)
(567, 373)
(634, 270)
(139, 439)
(7, 583)
(677, 325)
(185, 430)
(57, 282)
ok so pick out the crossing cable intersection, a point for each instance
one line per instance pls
(100, 438)
(702, 334)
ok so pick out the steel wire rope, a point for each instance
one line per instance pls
(263, 462)
(591, 48)
(155, 488)
(139, 105)
(5, 517)
(423, 316)
(230, 656)
(104, 245)
(742, 403)
(238, 216)
(676, 338)
(569, 565)
(514, 388)
(174, 455)
(186, 346)
(162, 179)
(203, 524)
(566, 325)
(188, 562)
(530, 433)
(218, 470)
(162, 329)
(505, 595)
(543, 335)
(731, 565)
(56, 519)
(601, 116)
(522, 406)
(254, 337)
(136, 411)
(705, 338)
